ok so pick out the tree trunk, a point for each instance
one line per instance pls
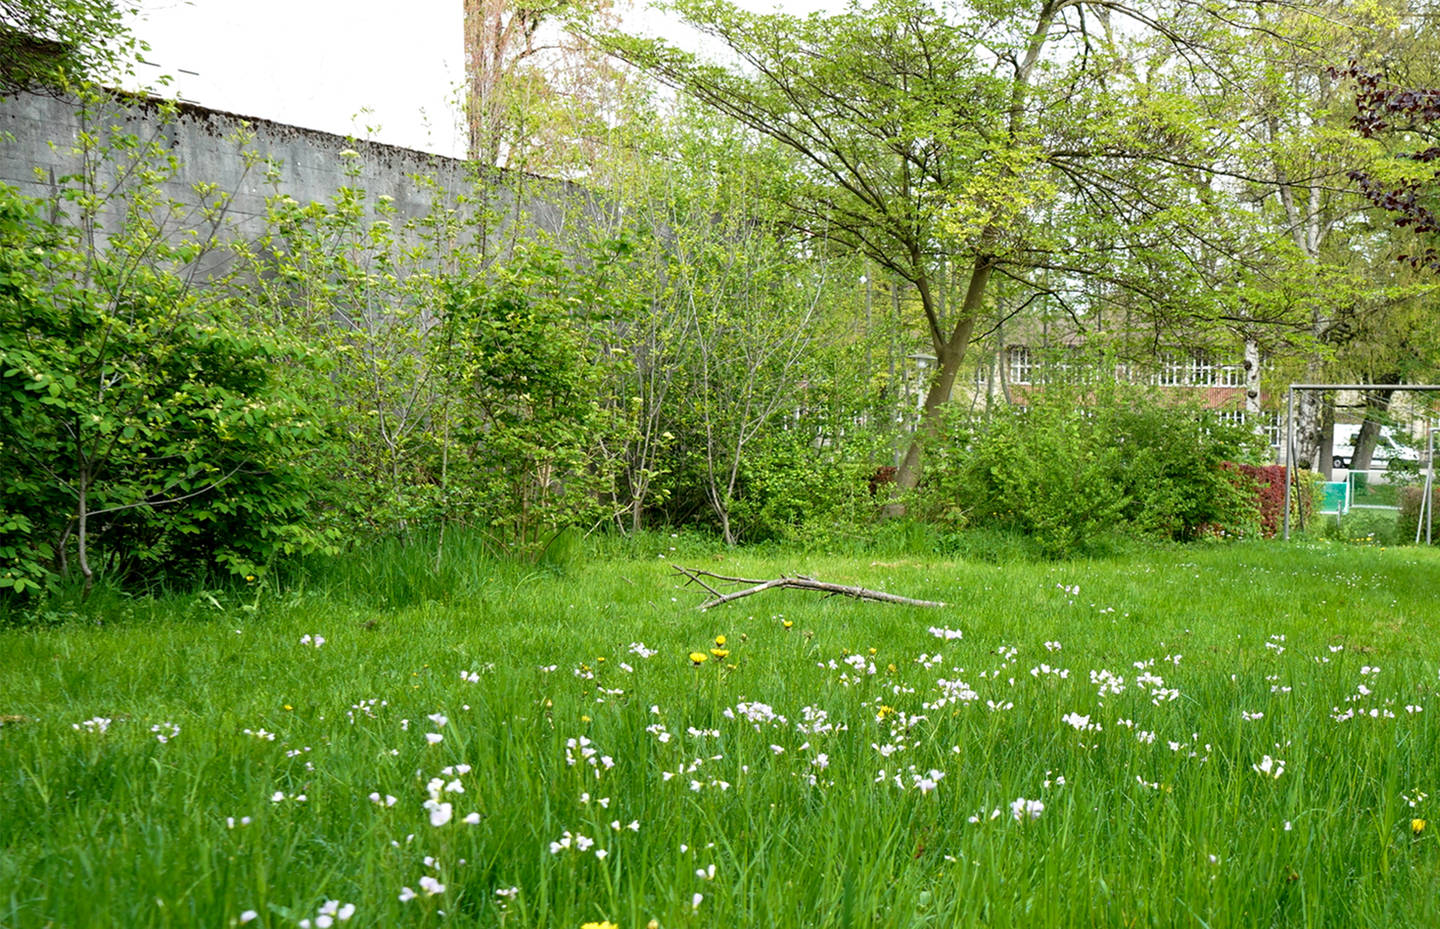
(949, 356)
(82, 537)
(1307, 428)
(1325, 456)
(1252, 381)
(1251, 368)
(1377, 408)
(722, 513)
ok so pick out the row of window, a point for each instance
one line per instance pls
(1025, 366)
(1269, 421)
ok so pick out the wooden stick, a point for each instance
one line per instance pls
(794, 583)
(695, 573)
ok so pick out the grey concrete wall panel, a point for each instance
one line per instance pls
(38, 133)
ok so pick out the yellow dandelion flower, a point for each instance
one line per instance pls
(1417, 826)
(584, 719)
(720, 652)
(786, 623)
(699, 658)
(720, 641)
(600, 925)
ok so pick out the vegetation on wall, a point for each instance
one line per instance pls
(143, 434)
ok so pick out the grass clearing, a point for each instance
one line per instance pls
(842, 765)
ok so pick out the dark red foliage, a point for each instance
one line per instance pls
(1269, 483)
(1383, 109)
(885, 474)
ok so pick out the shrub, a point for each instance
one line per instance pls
(1408, 518)
(1075, 467)
(141, 432)
(1268, 482)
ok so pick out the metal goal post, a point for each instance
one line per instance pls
(1426, 504)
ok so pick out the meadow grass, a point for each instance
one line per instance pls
(1091, 752)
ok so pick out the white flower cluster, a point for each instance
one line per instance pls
(1269, 767)
(582, 749)
(164, 732)
(330, 911)
(441, 810)
(1022, 809)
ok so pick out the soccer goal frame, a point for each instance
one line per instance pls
(1426, 516)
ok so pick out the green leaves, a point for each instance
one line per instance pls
(1083, 462)
(141, 434)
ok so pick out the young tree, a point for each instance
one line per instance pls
(136, 420)
(52, 44)
(535, 89)
(892, 112)
(743, 346)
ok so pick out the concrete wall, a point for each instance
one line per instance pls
(38, 135)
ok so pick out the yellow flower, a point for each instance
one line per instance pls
(584, 719)
(786, 623)
(289, 707)
(1417, 826)
(720, 652)
(699, 658)
(601, 925)
(720, 641)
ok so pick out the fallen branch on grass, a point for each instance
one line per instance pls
(799, 582)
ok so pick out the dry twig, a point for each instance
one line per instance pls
(798, 582)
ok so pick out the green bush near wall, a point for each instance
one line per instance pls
(1078, 466)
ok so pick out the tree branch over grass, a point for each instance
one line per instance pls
(798, 582)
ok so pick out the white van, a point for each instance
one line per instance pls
(1388, 453)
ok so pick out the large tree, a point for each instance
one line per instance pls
(914, 134)
(535, 88)
(1405, 185)
(1015, 140)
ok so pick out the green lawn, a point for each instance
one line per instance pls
(1218, 736)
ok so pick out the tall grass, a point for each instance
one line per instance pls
(119, 828)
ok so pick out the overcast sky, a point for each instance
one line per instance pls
(338, 65)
